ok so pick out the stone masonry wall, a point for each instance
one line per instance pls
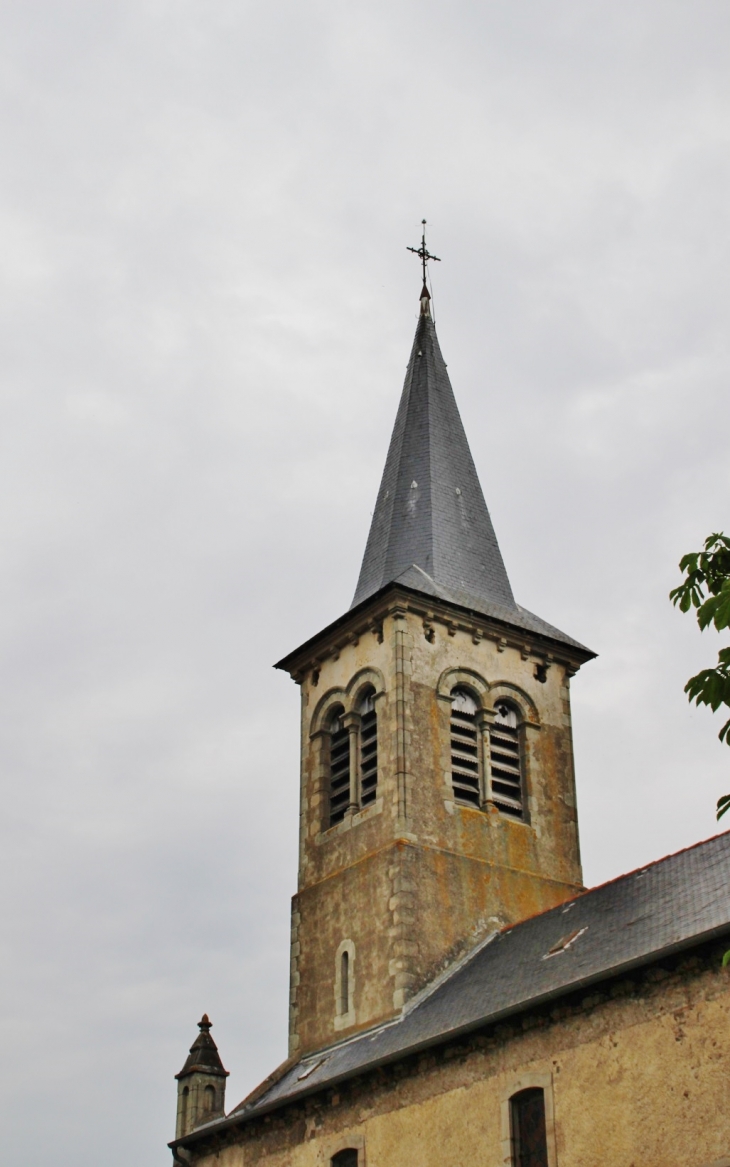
(414, 879)
(635, 1074)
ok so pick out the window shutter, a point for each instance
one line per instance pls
(506, 771)
(464, 748)
(339, 770)
(368, 751)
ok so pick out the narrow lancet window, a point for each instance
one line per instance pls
(368, 749)
(339, 767)
(464, 748)
(345, 983)
(529, 1135)
(506, 770)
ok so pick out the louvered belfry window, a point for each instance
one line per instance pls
(529, 1135)
(339, 767)
(368, 749)
(464, 748)
(506, 771)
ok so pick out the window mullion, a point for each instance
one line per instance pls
(351, 722)
(484, 719)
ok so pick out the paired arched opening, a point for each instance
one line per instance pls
(486, 762)
(352, 756)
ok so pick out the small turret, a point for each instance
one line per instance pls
(201, 1084)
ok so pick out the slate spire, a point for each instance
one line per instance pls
(431, 529)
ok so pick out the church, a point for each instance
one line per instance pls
(457, 997)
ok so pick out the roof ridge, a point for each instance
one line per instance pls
(653, 863)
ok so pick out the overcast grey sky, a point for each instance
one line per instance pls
(207, 312)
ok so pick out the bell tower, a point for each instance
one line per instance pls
(437, 783)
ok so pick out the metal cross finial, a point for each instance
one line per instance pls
(423, 253)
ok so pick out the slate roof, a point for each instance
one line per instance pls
(204, 1057)
(431, 529)
(674, 904)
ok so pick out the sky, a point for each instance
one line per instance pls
(207, 309)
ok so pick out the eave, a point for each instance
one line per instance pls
(368, 616)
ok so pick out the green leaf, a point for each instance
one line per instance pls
(723, 804)
(726, 960)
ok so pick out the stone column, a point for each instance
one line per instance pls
(484, 719)
(351, 722)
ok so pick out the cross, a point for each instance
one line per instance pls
(423, 253)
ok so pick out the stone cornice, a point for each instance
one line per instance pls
(368, 618)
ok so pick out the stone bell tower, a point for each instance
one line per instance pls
(437, 784)
(201, 1084)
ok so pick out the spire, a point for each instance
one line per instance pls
(431, 529)
(204, 1057)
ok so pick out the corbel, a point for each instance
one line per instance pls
(501, 644)
(541, 668)
(377, 630)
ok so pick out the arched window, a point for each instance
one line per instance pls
(368, 748)
(464, 748)
(339, 766)
(345, 1158)
(527, 1127)
(209, 1099)
(506, 770)
(345, 982)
